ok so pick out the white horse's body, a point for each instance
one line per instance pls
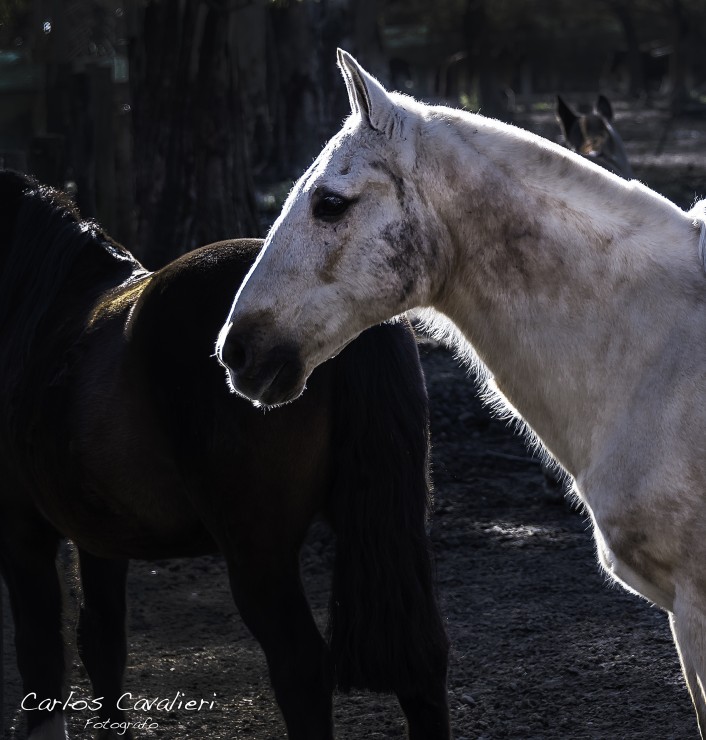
(584, 295)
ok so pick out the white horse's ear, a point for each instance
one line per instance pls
(365, 94)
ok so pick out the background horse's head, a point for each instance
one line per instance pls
(357, 242)
(593, 136)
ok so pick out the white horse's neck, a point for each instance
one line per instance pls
(567, 281)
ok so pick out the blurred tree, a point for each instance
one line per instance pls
(287, 61)
(305, 102)
(664, 45)
(623, 10)
(479, 33)
(224, 92)
(10, 11)
(680, 25)
(192, 171)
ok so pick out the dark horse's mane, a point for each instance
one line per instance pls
(52, 263)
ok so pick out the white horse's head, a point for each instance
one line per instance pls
(357, 242)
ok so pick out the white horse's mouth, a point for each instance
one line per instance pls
(268, 378)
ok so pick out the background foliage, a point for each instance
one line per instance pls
(176, 122)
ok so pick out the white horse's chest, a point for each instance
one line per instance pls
(647, 514)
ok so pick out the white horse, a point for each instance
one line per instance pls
(583, 294)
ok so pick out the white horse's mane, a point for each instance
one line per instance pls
(698, 212)
(444, 331)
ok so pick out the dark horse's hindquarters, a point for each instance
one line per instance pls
(119, 432)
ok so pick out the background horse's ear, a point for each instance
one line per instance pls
(565, 116)
(604, 107)
(366, 95)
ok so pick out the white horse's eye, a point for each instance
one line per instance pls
(330, 207)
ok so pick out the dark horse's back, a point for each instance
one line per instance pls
(179, 431)
(119, 431)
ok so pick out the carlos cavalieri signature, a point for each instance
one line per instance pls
(127, 702)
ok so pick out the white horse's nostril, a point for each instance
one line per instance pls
(234, 353)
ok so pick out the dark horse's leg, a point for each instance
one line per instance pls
(102, 641)
(427, 714)
(28, 548)
(268, 593)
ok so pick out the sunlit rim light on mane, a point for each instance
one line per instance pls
(699, 214)
(440, 328)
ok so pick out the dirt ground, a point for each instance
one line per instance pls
(542, 646)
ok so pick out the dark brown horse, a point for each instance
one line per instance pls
(118, 431)
(593, 135)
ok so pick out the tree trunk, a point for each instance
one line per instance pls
(678, 94)
(306, 98)
(480, 61)
(192, 170)
(309, 103)
(623, 12)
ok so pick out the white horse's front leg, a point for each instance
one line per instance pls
(688, 622)
(645, 555)
(636, 571)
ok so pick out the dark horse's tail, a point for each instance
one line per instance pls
(386, 633)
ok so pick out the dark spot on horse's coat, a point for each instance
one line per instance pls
(565, 167)
(628, 546)
(333, 252)
(407, 248)
(544, 157)
(397, 180)
(515, 258)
